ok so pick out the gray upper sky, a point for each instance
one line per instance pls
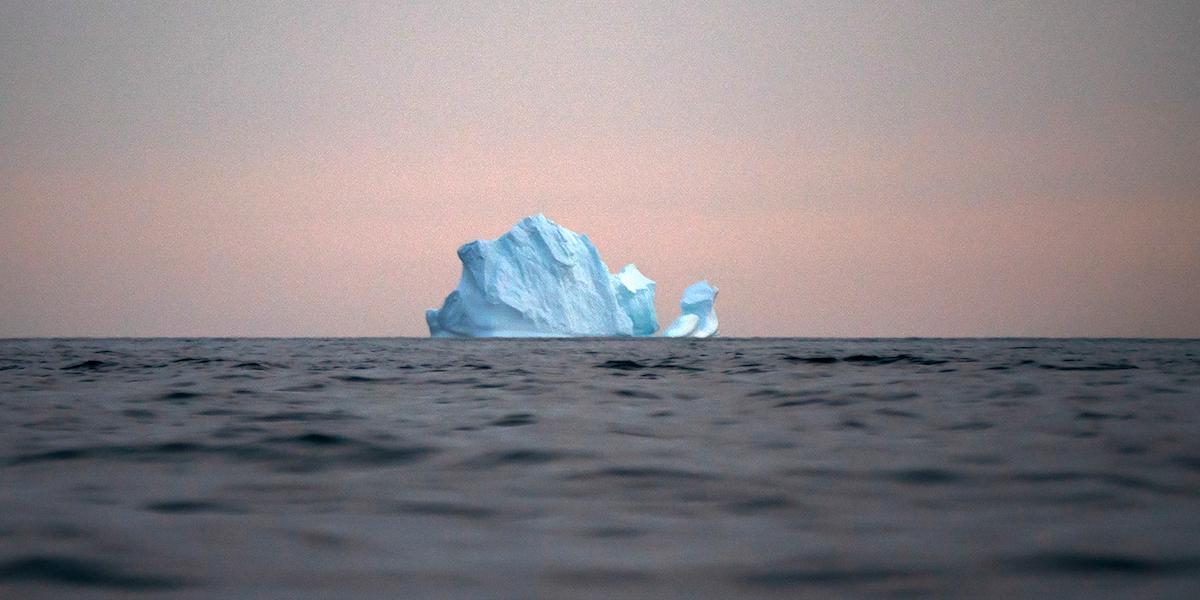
(842, 168)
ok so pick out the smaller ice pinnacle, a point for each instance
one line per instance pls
(699, 318)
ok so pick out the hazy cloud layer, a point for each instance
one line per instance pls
(837, 169)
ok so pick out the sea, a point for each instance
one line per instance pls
(599, 468)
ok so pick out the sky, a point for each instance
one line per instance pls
(836, 169)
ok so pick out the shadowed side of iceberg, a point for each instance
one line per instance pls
(635, 294)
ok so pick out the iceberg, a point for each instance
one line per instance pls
(542, 280)
(699, 314)
(635, 295)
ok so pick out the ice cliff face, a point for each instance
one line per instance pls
(544, 280)
(699, 318)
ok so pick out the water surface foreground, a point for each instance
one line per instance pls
(765, 468)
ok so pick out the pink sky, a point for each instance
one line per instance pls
(836, 171)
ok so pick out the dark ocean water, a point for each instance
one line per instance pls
(406, 468)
